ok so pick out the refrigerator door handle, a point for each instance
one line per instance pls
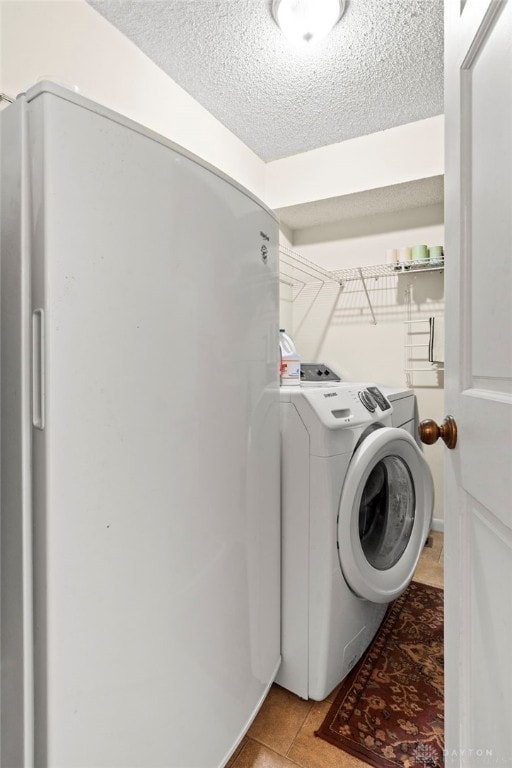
(38, 369)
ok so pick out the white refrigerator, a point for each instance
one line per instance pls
(140, 534)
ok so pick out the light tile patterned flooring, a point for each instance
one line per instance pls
(282, 735)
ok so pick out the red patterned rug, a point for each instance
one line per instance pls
(389, 711)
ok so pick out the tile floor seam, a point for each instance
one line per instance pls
(272, 749)
(287, 755)
(263, 744)
(299, 730)
(234, 760)
(275, 752)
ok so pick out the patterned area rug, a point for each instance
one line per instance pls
(389, 711)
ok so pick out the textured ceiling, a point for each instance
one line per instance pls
(372, 202)
(381, 66)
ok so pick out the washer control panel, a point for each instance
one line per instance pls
(367, 400)
(379, 398)
(372, 398)
(343, 405)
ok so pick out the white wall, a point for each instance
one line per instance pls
(401, 154)
(71, 43)
(333, 324)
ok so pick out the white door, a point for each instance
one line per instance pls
(385, 514)
(478, 535)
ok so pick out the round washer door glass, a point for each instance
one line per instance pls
(386, 512)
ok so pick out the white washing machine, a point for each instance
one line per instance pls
(357, 500)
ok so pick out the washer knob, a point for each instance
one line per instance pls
(367, 400)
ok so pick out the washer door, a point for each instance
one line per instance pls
(384, 515)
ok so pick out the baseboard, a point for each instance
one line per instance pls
(437, 524)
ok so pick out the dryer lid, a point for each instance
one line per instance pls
(384, 515)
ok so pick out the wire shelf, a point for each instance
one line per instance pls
(294, 264)
(296, 261)
(311, 272)
(386, 270)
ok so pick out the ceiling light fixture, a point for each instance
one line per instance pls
(307, 21)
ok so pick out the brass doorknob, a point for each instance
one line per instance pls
(430, 432)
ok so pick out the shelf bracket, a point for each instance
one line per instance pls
(374, 321)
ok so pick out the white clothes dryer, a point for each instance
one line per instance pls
(405, 408)
(357, 498)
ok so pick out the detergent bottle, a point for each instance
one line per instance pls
(290, 361)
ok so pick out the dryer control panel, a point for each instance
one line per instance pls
(317, 373)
